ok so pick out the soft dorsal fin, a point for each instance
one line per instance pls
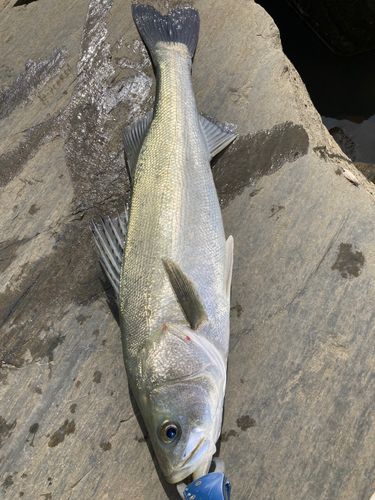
(186, 294)
(133, 140)
(228, 266)
(218, 136)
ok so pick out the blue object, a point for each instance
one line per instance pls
(212, 486)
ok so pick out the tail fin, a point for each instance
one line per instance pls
(180, 25)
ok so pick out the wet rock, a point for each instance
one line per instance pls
(348, 262)
(105, 445)
(6, 429)
(8, 481)
(97, 376)
(58, 436)
(244, 422)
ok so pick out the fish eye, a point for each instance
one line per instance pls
(169, 432)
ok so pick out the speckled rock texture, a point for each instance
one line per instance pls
(298, 420)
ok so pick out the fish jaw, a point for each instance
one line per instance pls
(198, 453)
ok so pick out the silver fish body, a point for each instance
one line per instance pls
(176, 367)
(174, 214)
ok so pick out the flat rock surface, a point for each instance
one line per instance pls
(298, 420)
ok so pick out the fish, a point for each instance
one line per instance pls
(168, 260)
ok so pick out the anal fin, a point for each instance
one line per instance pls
(109, 237)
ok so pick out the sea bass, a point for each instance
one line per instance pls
(169, 262)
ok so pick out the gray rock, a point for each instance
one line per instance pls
(367, 169)
(355, 139)
(299, 401)
(346, 143)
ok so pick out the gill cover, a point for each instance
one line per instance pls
(190, 355)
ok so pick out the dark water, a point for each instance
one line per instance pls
(339, 86)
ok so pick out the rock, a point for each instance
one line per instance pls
(356, 139)
(346, 143)
(298, 410)
(347, 27)
(367, 169)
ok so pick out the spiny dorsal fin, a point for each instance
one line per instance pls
(218, 136)
(228, 266)
(133, 140)
(186, 294)
(109, 237)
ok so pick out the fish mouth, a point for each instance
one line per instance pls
(201, 453)
(191, 454)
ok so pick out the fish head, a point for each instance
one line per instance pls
(183, 383)
(181, 430)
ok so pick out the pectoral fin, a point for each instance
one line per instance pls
(186, 294)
